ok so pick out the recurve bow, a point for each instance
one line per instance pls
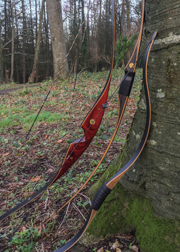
(106, 188)
(124, 92)
(90, 126)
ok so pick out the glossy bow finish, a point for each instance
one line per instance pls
(106, 188)
(90, 126)
(124, 92)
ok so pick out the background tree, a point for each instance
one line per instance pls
(21, 38)
(57, 36)
(1, 59)
(34, 69)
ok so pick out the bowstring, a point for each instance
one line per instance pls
(55, 78)
(105, 105)
(112, 95)
(78, 61)
(110, 98)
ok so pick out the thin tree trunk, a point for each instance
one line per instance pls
(36, 18)
(128, 25)
(24, 43)
(12, 42)
(1, 57)
(47, 44)
(34, 69)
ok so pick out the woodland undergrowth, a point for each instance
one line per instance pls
(26, 168)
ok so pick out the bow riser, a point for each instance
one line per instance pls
(90, 126)
(124, 91)
(106, 188)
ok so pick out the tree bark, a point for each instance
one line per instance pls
(1, 57)
(156, 173)
(57, 35)
(147, 199)
(34, 69)
(128, 25)
(24, 43)
(12, 42)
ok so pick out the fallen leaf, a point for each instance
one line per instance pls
(134, 248)
(36, 179)
(50, 170)
(6, 154)
(115, 245)
(100, 250)
(23, 228)
(59, 141)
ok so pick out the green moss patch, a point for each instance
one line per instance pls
(122, 212)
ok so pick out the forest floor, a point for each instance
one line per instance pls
(6, 90)
(27, 166)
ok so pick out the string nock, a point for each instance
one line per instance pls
(104, 105)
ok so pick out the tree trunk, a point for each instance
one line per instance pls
(1, 57)
(47, 44)
(24, 44)
(12, 43)
(156, 173)
(57, 35)
(147, 201)
(128, 25)
(34, 69)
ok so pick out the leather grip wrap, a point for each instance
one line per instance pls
(126, 83)
(100, 196)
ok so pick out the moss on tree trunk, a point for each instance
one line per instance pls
(148, 198)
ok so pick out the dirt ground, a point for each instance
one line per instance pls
(7, 91)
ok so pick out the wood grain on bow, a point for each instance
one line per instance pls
(90, 126)
(124, 92)
(106, 188)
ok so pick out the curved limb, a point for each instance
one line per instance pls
(90, 126)
(106, 188)
(124, 92)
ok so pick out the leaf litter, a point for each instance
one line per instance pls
(24, 171)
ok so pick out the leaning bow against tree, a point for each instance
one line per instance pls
(90, 126)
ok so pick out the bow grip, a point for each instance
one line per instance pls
(126, 83)
(100, 196)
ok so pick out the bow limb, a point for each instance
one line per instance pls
(131, 65)
(92, 121)
(124, 92)
(90, 126)
(122, 104)
(106, 188)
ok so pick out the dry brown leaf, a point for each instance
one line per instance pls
(50, 170)
(100, 250)
(6, 154)
(36, 179)
(59, 141)
(115, 245)
(23, 228)
(134, 248)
